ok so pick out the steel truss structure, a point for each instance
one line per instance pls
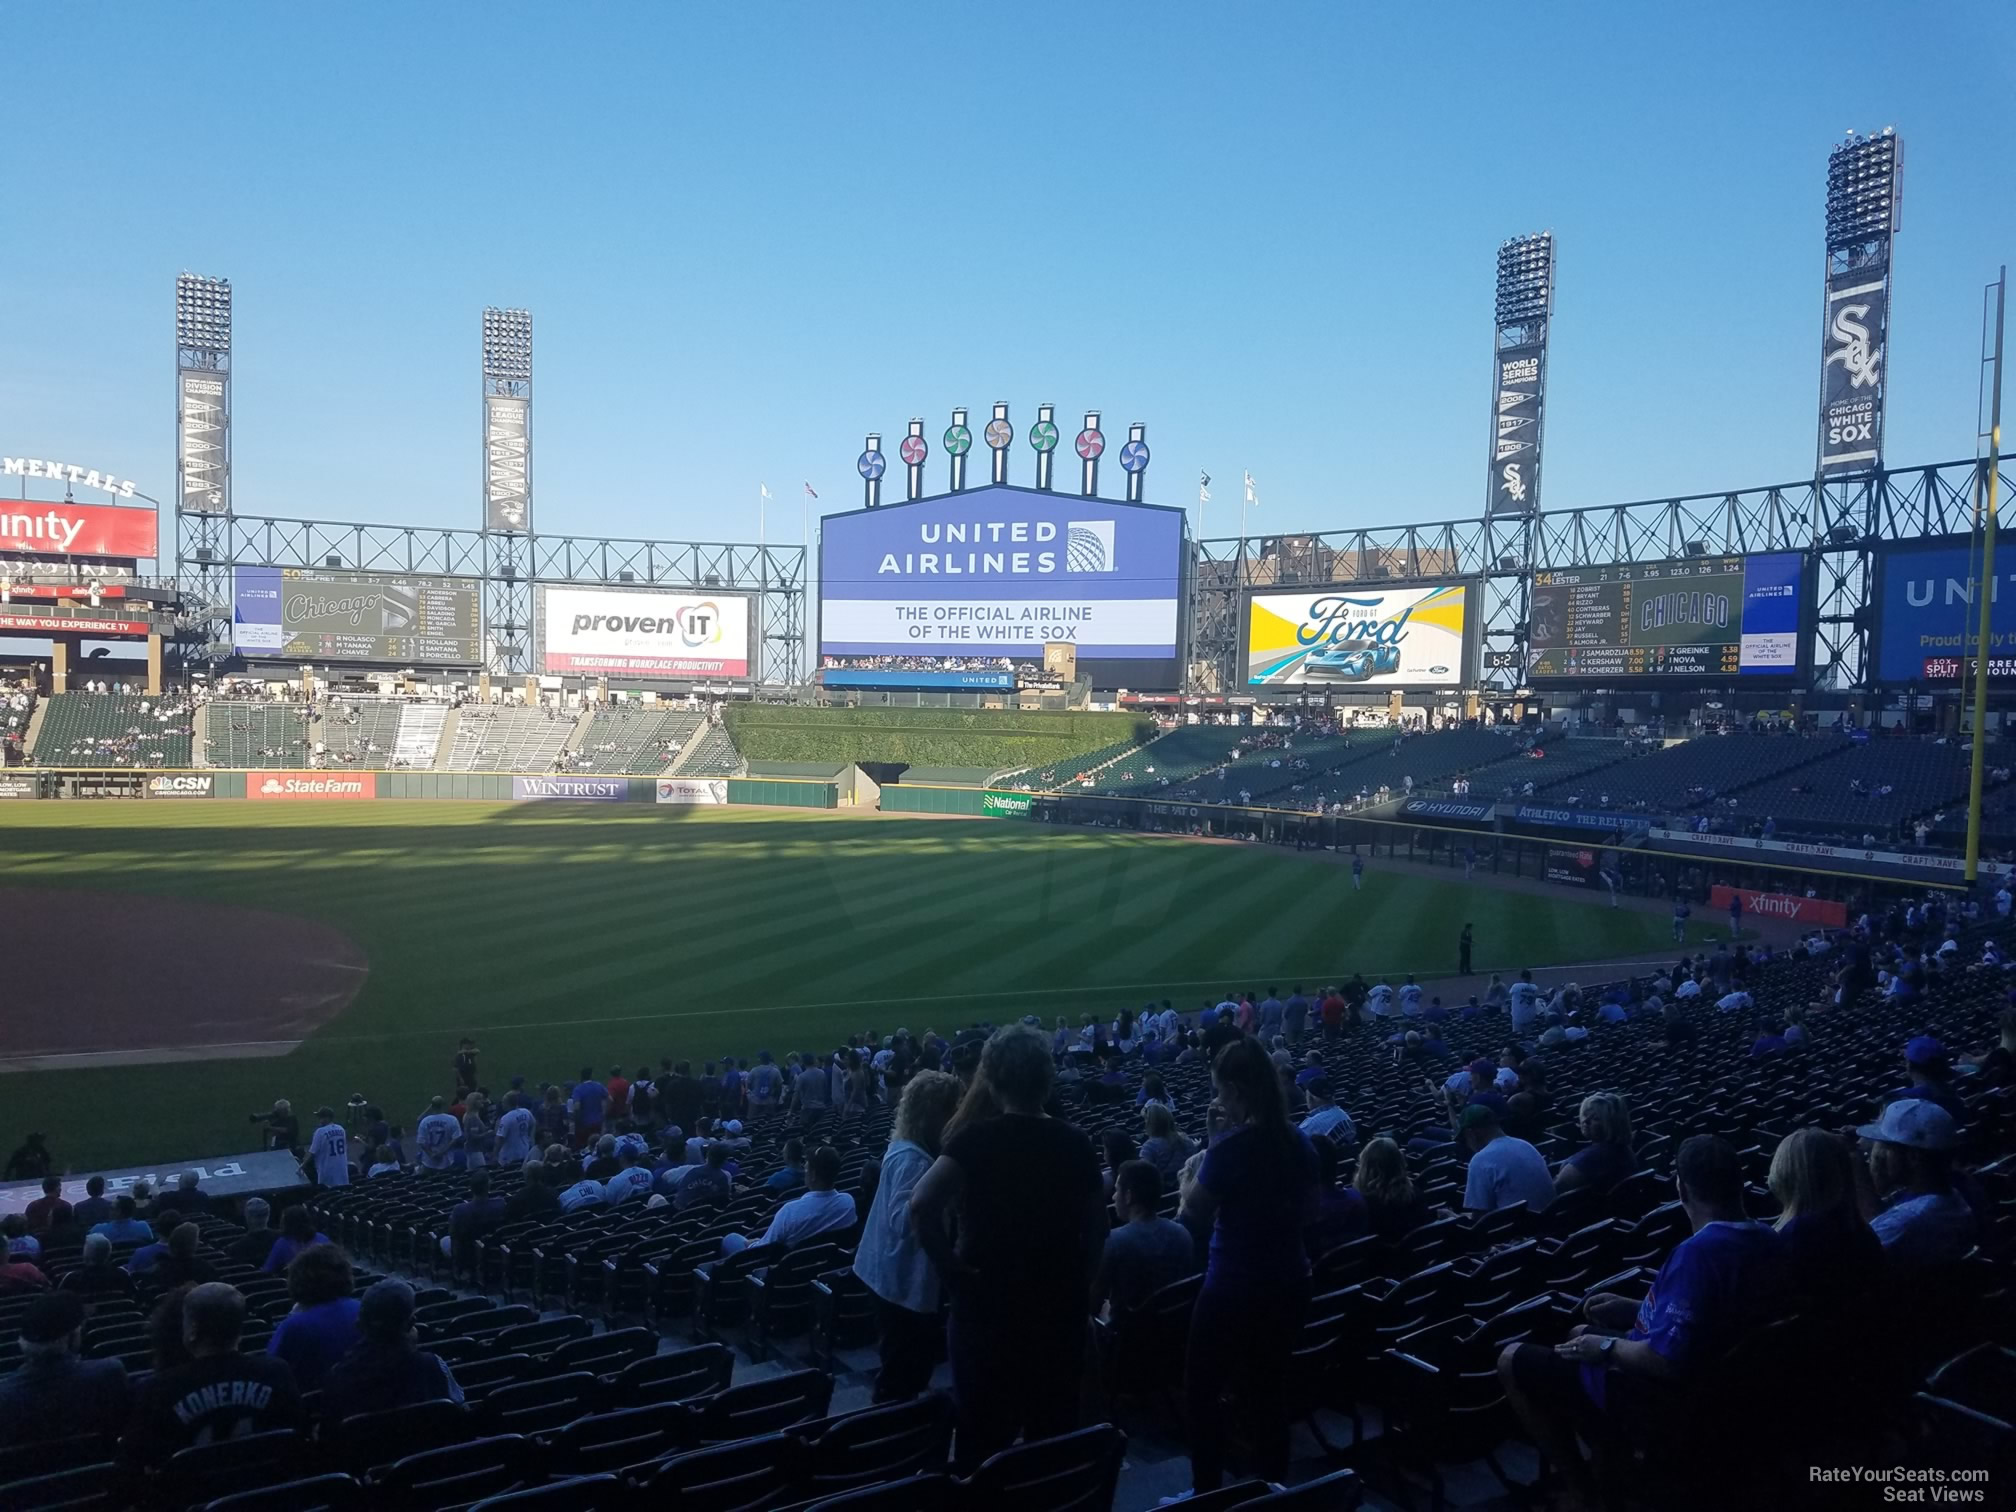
(1838, 524)
(510, 565)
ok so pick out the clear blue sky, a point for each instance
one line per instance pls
(751, 233)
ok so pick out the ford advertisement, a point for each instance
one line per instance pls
(1001, 572)
(1929, 612)
(1360, 636)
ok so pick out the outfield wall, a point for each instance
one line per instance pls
(351, 786)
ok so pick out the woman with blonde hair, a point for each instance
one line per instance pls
(889, 1260)
(1394, 1208)
(1032, 1230)
(1835, 1254)
(1606, 1160)
(1166, 1147)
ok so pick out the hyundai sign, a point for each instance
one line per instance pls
(639, 633)
(1360, 636)
(1001, 572)
(1929, 614)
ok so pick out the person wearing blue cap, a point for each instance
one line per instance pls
(1918, 1214)
(1926, 1063)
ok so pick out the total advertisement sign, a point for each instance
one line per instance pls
(618, 632)
(692, 790)
(311, 785)
(1824, 912)
(69, 530)
(575, 789)
(1360, 637)
(1929, 610)
(1002, 572)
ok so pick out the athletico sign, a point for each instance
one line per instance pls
(76, 529)
(181, 785)
(619, 633)
(587, 789)
(311, 785)
(1789, 906)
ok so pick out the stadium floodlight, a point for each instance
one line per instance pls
(1526, 279)
(507, 345)
(202, 313)
(1863, 190)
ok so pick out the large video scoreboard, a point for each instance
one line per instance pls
(1699, 617)
(297, 614)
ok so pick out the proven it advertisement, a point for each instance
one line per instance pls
(1359, 637)
(617, 632)
(1002, 572)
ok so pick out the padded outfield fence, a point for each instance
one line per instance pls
(1634, 865)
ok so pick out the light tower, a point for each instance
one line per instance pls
(1864, 187)
(507, 488)
(1525, 305)
(203, 446)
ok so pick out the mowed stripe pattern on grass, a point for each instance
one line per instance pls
(567, 935)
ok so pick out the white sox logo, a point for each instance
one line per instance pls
(1858, 359)
(1515, 486)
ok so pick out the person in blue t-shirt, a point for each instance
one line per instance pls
(1256, 1191)
(589, 1099)
(1730, 1276)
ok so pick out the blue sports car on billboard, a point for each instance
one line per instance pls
(1343, 663)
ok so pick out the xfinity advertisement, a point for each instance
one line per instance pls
(1360, 636)
(993, 575)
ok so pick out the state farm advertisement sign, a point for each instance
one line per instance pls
(311, 784)
(106, 530)
(1789, 906)
(629, 633)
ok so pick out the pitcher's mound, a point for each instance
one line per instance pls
(101, 978)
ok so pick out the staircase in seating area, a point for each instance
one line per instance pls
(419, 736)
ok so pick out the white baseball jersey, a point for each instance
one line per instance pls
(330, 1150)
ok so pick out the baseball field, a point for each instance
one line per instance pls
(172, 968)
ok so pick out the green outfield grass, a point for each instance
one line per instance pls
(562, 935)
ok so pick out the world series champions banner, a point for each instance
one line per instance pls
(1516, 399)
(1851, 373)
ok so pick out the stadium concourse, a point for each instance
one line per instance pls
(730, 1289)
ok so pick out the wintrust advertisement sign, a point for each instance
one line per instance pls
(576, 789)
(1002, 572)
(692, 790)
(68, 530)
(311, 784)
(1359, 636)
(616, 632)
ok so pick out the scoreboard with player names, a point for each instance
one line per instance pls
(1697, 617)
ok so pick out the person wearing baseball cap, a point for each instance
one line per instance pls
(1922, 1219)
(1930, 1070)
(54, 1394)
(386, 1368)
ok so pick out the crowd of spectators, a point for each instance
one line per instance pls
(1038, 1186)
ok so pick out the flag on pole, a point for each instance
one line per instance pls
(811, 490)
(764, 488)
(1252, 495)
(1203, 488)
